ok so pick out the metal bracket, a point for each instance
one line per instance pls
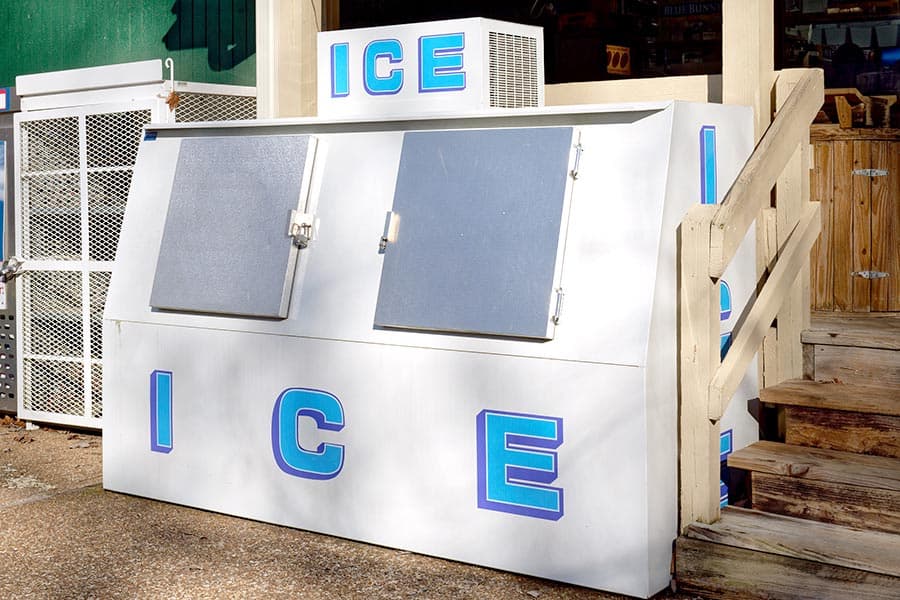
(870, 274)
(870, 172)
(11, 268)
(301, 228)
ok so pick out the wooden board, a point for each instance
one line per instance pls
(858, 365)
(728, 573)
(878, 435)
(884, 244)
(822, 256)
(866, 330)
(880, 400)
(873, 551)
(843, 225)
(861, 238)
(850, 505)
(816, 464)
(830, 133)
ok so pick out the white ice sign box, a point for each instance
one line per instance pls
(461, 65)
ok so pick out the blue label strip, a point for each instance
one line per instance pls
(161, 411)
(708, 165)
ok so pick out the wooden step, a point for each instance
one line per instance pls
(819, 465)
(750, 554)
(825, 543)
(872, 399)
(823, 485)
(853, 348)
(853, 418)
(863, 330)
(850, 364)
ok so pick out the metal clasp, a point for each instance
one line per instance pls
(301, 228)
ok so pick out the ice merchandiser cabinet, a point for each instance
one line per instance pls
(454, 336)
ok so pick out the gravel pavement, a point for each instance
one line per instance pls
(62, 536)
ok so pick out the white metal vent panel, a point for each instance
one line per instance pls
(513, 66)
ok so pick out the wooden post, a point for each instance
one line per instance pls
(699, 357)
(792, 198)
(286, 57)
(748, 57)
(748, 74)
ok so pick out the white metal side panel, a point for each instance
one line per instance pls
(409, 473)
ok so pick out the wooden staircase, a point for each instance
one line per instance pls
(824, 520)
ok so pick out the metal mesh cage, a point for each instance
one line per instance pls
(194, 107)
(53, 386)
(75, 175)
(51, 314)
(96, 389)
(50, 204)
(513, 70)
(99, 284)
(107, 195)
(49, 144)
(113, 138)
(63, 182)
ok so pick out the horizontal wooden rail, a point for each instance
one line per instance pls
(748, 337)
(750, 192)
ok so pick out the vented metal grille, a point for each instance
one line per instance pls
(76, 173)
(513, 70)
(194, 107)
(7, 357)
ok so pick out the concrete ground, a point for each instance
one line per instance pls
(62, 536)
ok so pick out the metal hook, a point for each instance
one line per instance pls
(170, 65)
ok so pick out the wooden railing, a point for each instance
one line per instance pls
(709, 238)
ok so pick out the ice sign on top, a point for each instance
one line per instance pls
(447, 67)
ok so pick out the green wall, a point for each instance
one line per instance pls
(212, 41)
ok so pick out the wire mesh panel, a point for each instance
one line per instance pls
(49, 144)
(107, 195)
(75, 176)
(50, 205)
(111, 137)
(51, 314)
(99, 282)
(53, 386)
(75, 173)
(194, 107)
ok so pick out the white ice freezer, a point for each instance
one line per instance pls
(454, 336)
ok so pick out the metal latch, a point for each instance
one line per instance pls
(301, 228)
(870, 172)
(578, 150)
(870, 274)
(557, 313)
(391, 227)
(11, 268)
